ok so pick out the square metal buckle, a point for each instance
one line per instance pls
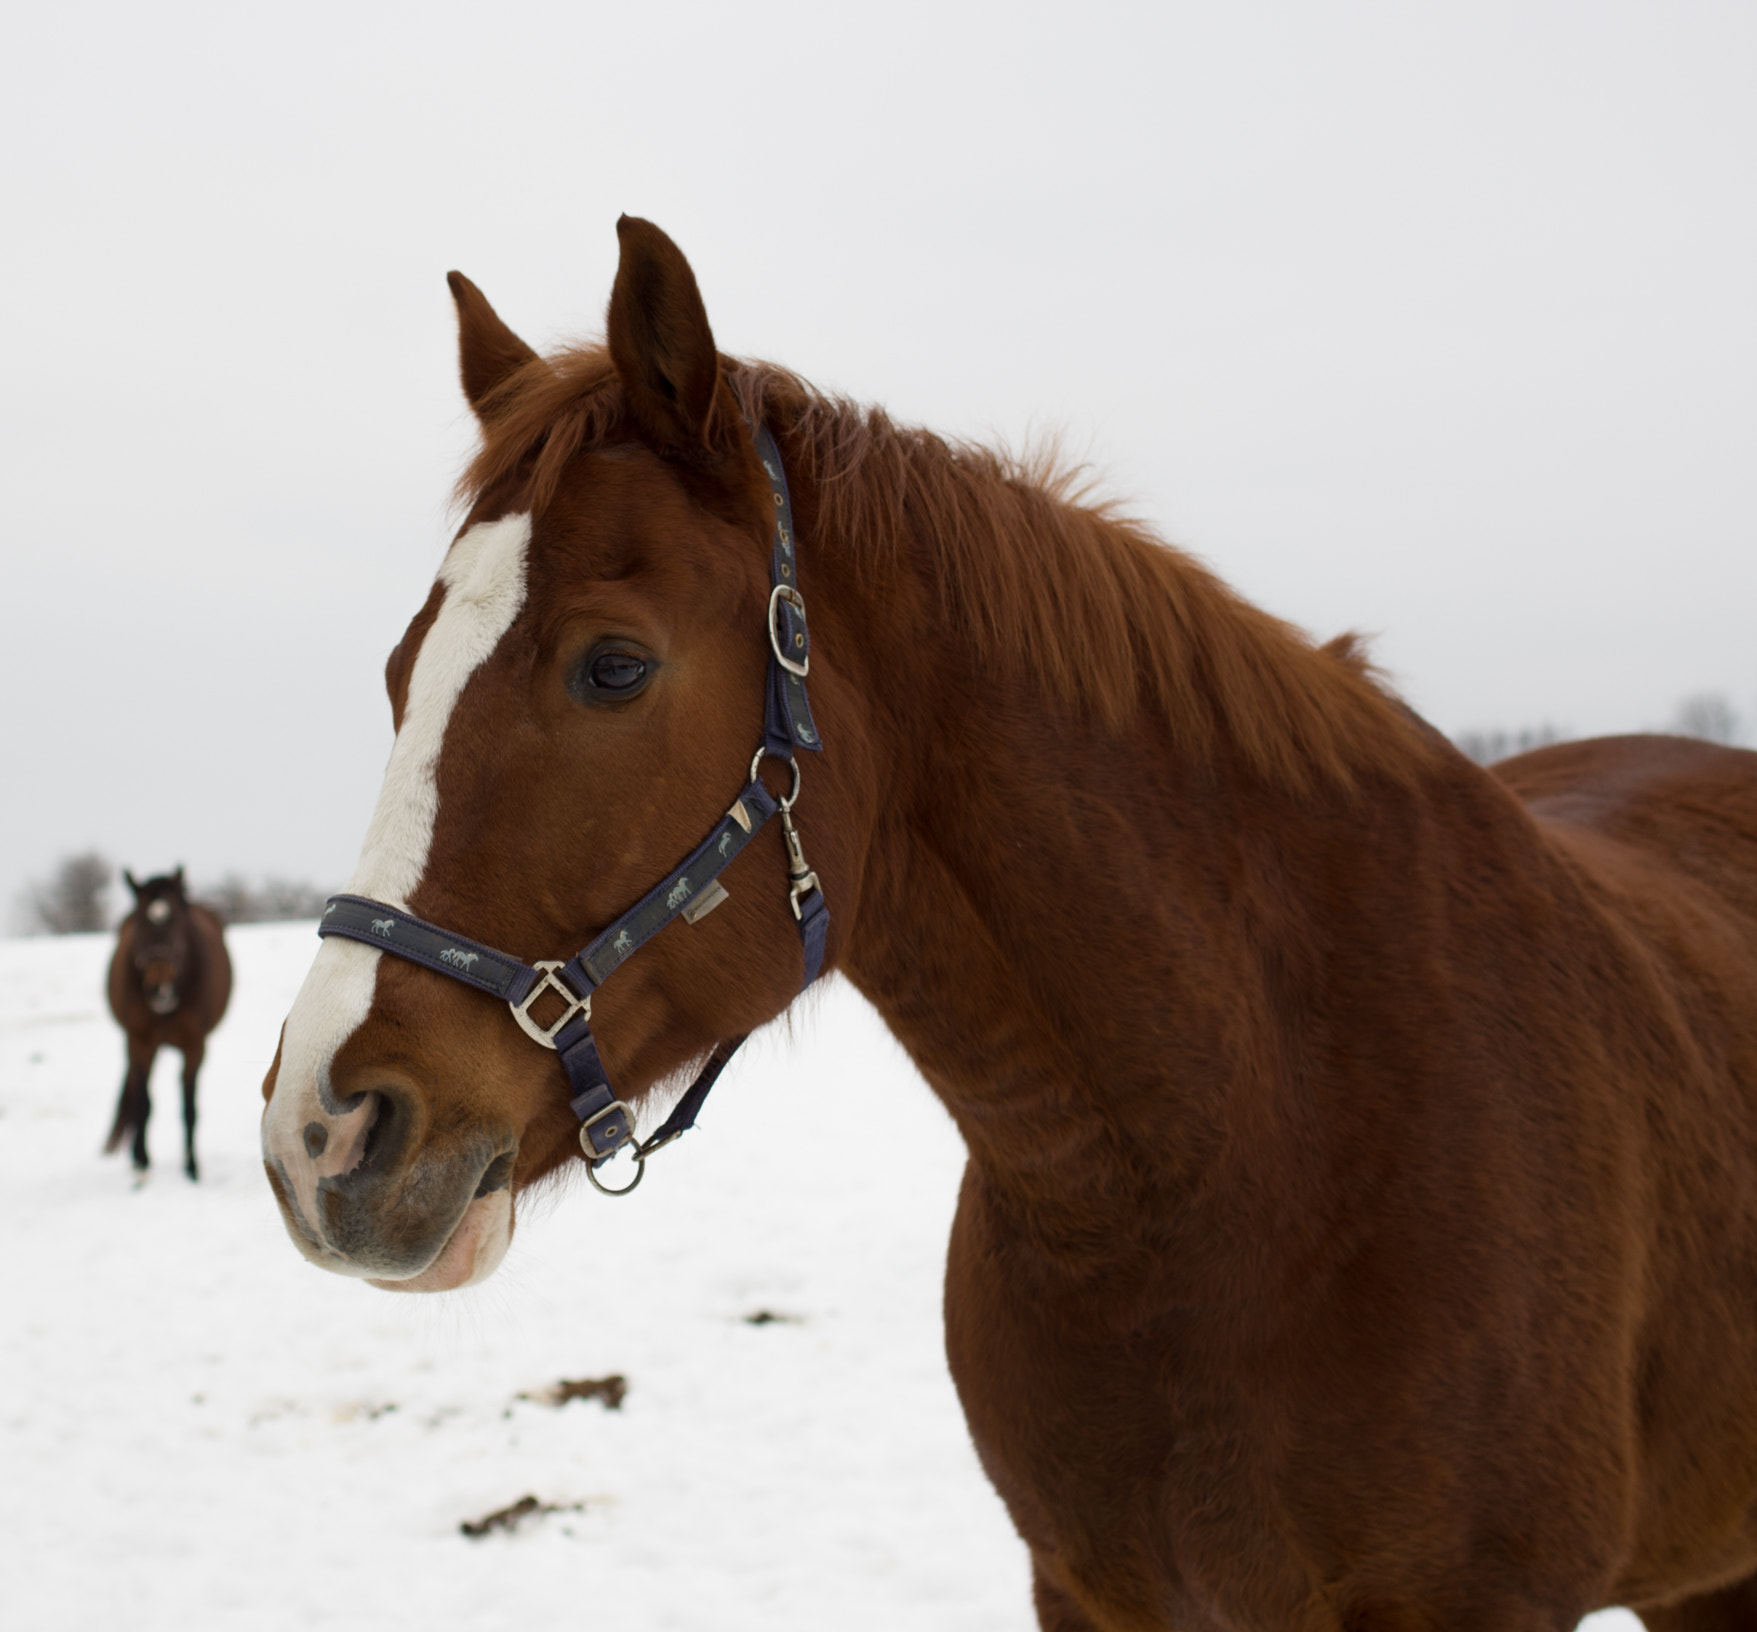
(619, 1133)
(521, 1012)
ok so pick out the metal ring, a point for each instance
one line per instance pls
(765, 753)
(640, 1172)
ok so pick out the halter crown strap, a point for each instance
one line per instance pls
(787, 721)
(690, 890)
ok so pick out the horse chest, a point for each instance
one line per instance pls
(1129, 1459)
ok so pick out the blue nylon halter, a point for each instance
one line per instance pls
(691, 890)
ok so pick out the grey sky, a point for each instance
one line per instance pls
(1432, 321)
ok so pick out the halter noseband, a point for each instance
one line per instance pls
(690, 891)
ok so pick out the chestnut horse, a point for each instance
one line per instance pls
(1360, 1221)
(170, 980)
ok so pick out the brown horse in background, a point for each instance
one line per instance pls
(170, 980)
(1359, 1232)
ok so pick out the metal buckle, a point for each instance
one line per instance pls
(594, 1161)
(614, 1108)
(521, 1012)
(787, 593)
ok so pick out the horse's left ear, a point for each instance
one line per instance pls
(664, 350)
(177, 877)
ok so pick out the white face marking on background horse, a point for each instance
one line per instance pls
(484, 579)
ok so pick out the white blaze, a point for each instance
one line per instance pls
(484, 579)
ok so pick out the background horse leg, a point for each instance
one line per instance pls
(192, 1058)
(1731, 1609)
(134, 1106)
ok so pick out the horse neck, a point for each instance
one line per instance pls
(1091, 937)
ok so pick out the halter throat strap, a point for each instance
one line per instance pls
(691, 890)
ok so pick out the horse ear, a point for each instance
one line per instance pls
(132, 882)
(663, 349)
(177, 877)
(488, 351)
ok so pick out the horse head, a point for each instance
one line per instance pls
(161, 938)
(575, 705)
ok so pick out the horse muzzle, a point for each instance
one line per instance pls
(363, 1193)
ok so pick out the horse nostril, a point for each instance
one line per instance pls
(384, 1114)
(367, 1134)
(498, 1175)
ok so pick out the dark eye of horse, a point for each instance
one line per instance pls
(610, 674)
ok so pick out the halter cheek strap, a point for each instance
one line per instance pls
(690, 891)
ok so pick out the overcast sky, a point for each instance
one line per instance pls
(1434, 321)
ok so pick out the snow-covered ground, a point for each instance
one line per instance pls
(199, 1430)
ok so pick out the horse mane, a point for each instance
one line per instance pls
(1060, 590)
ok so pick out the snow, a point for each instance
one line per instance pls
(200, 1430)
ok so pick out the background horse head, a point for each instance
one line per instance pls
(163, 946)
(170, 980)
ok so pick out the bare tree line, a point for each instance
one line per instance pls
(1485, 747)
(1709, 715)
(75, 898)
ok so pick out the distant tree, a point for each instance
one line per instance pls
(228, 900)
(237, 901)
(1485, 747)
(73, 900)
(1706, 714)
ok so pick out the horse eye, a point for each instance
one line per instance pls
(611, 673)
(617, 671)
